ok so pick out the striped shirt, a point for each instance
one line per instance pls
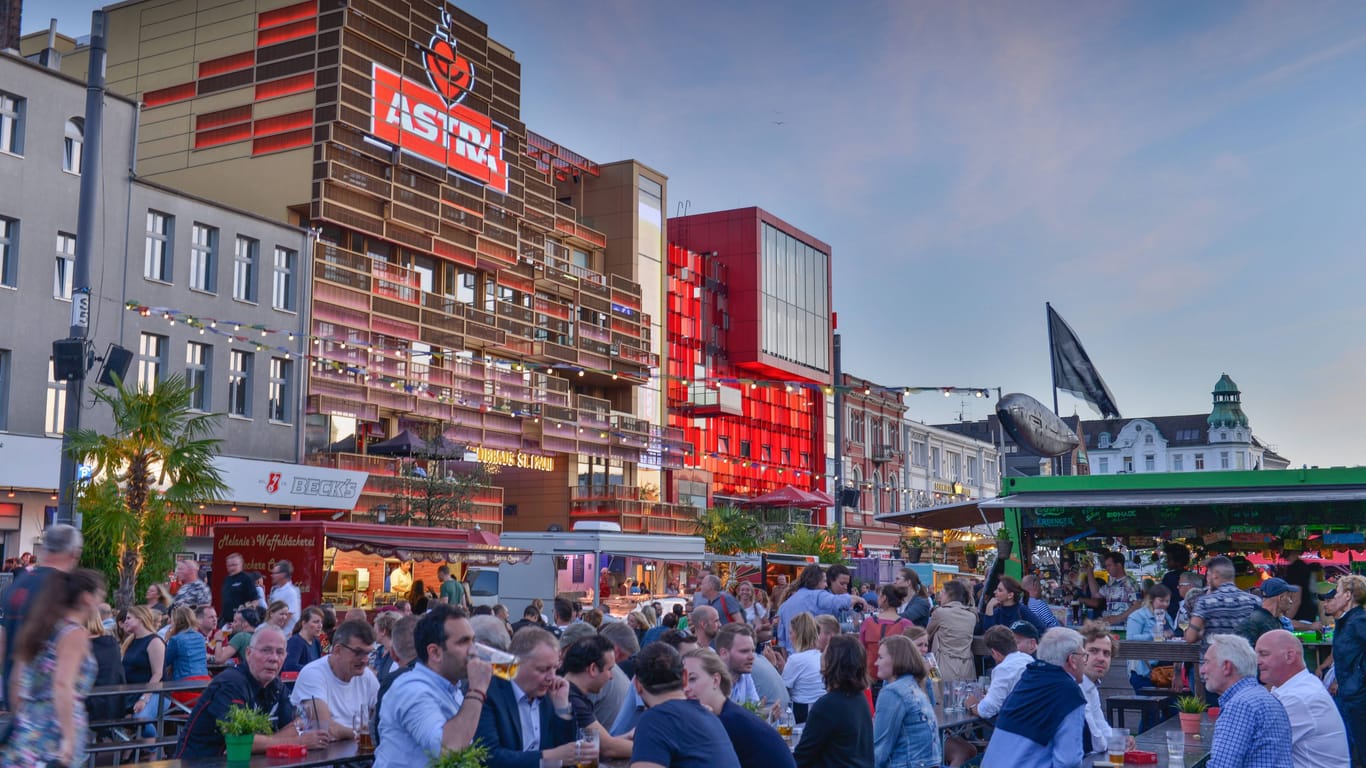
(1223, 610)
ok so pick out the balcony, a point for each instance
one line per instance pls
(884, 453)
(636, 510)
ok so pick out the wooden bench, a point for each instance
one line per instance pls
(137, 746)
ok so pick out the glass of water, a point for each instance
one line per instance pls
(1176, 747)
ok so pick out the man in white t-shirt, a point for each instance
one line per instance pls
(1319, 736)
(340, 686)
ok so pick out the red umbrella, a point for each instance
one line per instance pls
(789, 496)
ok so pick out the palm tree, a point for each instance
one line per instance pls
(730, 531)
(147, 475)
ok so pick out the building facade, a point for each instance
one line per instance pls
(459, 292)
(874, 462)
(1219, 440)
(749, 353)
(181, 262)
(943, 466)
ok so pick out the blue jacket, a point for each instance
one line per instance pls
(905, 733)
(1142, 624)
(500, 728)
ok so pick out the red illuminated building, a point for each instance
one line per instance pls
(749, 351)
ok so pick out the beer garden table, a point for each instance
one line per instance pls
(338, 753)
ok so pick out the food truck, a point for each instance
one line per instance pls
(571, 562)
(348, 564)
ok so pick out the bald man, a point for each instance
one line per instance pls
(1320, 738)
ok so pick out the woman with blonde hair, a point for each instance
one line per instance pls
(159, 598)
(187, 653)
(905, 732)
(802, 673)
(144, 659)
(707, 680)
(279, 614)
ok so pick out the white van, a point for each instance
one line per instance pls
(482, 582)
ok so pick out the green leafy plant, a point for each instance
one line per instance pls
(148, 474)
(469, 757)
(1191, 705)
(969, 548)
(914, 541)
(730, 530)
(245, 721)
(1003, 533)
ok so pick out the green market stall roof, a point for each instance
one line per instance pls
(1148, 503)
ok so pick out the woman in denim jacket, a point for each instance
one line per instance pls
(1150, 622)
(905, 733)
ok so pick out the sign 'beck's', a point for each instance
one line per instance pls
(416, 119)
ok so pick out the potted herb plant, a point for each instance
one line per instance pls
(240, 727)
(469, 757)
(1189, 709)
(1004, 545)
(913, 547)
(970, 555)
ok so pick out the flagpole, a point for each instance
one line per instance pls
(1053, 374)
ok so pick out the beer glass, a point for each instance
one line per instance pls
(504, 664)
(586, 754)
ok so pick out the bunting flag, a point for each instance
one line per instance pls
(1072, 368)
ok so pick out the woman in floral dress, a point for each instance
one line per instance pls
(53, 672)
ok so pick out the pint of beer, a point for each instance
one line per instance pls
(504, 664)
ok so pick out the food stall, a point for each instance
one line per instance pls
(571, 562)
(348, 564)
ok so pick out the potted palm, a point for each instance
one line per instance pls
(1189, 709)
(913, 547)
(970, 555)
(239, 728)
(469, 757)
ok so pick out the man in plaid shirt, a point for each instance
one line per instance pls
(1253, 730)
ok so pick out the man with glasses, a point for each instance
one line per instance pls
(283, 589)
(341, 685)
(254, 684)
(1041, 722)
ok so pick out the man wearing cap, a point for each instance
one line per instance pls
(1010, 664)
(1276, 597)
(1026, 637)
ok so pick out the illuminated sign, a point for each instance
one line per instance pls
(515, 459)
(415, 118)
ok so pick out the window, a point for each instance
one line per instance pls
(11, 124)
(151, 360)
(282, 297)
(936, 466)
(204, 258)
(918, 453)
(1179, 462)
(1223, 459)
(1148, 439)
(1104, 440)
(1129, 464)
(723, 445)
(157, 260)
(1199, 461)
(4, 388)
(1241, 460)
(787, 457)
(9, 251)
(955, 467)
(1149, 463)
(74, 145)
(972, 470)
(239, 383)
(280, 370)
(744, 448)
(766, 452)
(199, 373)
(1104, 464)
(66, 263)
(244, 269)
(54, 420)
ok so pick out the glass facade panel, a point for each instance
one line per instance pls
(795, 298)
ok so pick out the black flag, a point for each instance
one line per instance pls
(1072, 368)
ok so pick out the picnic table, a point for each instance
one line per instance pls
(337, 753)
(1155, 740)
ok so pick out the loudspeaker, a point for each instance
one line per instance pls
(849, 497)
(116, 362)
(68, 360)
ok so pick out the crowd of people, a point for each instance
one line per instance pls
(718, 684)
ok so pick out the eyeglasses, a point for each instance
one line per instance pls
(356, 651)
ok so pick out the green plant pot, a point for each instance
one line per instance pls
(239, 748)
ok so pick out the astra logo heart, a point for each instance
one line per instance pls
(273, 484)
(451, 74)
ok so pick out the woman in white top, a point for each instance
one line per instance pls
(754, 610)
(802, 674)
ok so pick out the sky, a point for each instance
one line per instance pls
(1183, 181)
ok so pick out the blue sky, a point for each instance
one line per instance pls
(1184, 181)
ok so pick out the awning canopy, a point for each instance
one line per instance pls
(1138, 511)
(791, 496)
(960, 514)
(433, 545)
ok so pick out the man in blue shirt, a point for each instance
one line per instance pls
(424, 712)
(1040, 725)
(675, 732)
(1253, 730)
(812, 598)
